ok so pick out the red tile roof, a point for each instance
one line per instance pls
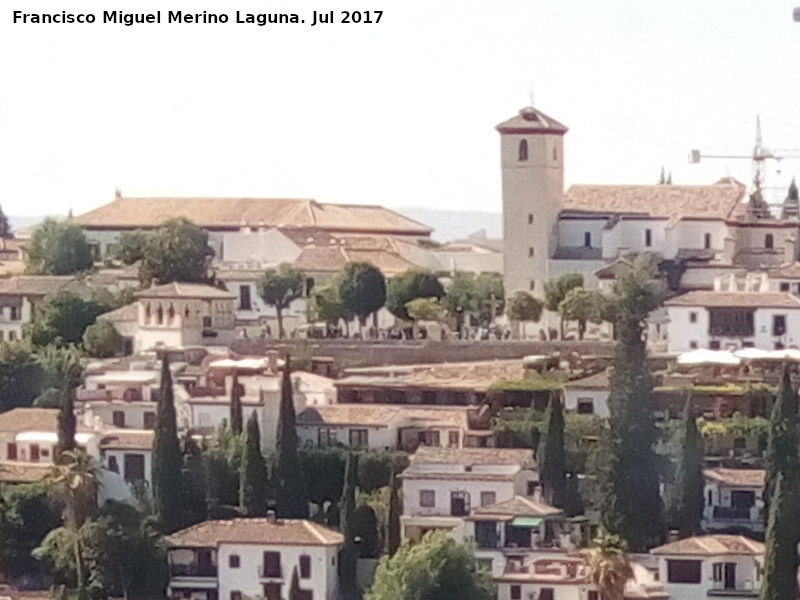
(712, 545)
(737, 477)
(264, 531)
(704, 298)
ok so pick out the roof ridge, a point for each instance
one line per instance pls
(313, 529)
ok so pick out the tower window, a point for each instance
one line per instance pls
(530, 219)
(532, 285)
(523, 150)
(587, 239)
(769, 241)
(555, 153)
(707, 241)
(648, 237)
(530, 252)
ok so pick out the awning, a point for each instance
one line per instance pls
(526, 522)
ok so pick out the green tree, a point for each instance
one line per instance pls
(176, 251)
(291, 493)
(783, 439)
(58, 248)
(254, 472)
(62, 319)
(581, 305)
(556, 290)
(67, 425)
(237, 418)
(167, 460)
(413, 284)
(327, 306)
(324, 471)
(437, 568)
(609, 568)
(222, 462)
(294, 586)
(131, 247)
(552, 458)
(393, 520)
(102, 340)
(195, 479)
(362, 288)
(425, 309)
(279, 288)
(6, 233)
(348, 556)
(780, 558)
(20, 376)
(687, 509)
(632, 506)
(365, 528)
(523, 307)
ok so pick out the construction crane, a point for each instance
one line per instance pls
(759, 156)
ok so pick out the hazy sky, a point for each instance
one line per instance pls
(400, 113)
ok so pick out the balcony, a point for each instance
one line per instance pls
(732, 513)
(192, 570)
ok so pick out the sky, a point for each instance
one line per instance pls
(399, 113)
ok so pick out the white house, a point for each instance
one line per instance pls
(231, 560)
(442, 485)
(122, 399)
(734, 500)
(588, 396)
(711, 565)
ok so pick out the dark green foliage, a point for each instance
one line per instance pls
(27, 513)
(223, 461)
(362, 289)
(167, 459)
(327, 306)
(102, 340)
(291, 494)
(375, 469)
(237, 419)
(62, 319)
(413, 284)
(58, 248)
(324, 471)
(583, 306)
(177, 251)
(552, 457)
(131, 247)
(195, 482)
(783, 440)
(524, 307)
(67, 424)
(393, 521)
(349, 554)
(482, 295)
(6, 232)
(294, 586)
(632, 506)
(437, 568)
(20, 376)
(365, 532)
(780, 559)
(556, 290)
(687, 509)
(253, 488)
(279, 288)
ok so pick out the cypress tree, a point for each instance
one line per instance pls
(294, 586)
(393, 522)
(167, 460)
(632, 507)
(237, 418)
(780, 559)
(687, 509)
(67, 424)
(348, 558)
(291, 493)
(253, 488)
(552, 460)
(783, 440)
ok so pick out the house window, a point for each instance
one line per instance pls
(11, 451)
(427, 498)
(593, 595)
(707, 241)
(532, 285)
(118, 418)
(488, 498)
(778, 324)
(12, 335)
(784, 286)
(14, 314)
(452, 439)
(459, 504)
(326, 436)
(587, 239)
(34, 452)
(683, 571)
(734, 322)
(134, 467)
(693, 317)
(305, 566)
(236, 595)
(234, 561)
(585, 406)
(555, 152)
(272, 564)
(714, 345)
(359, 438)
(725, 573)
(272, 591)
(710, 500)
(113, 465)
(159, 315)
(648, 237)
(516, 592)
(530, 252)
(693, 345)
(171, 315)
(206, 321)
(244, 298)
(429, 438)
(769, 241)
(546, 594)
(149, 420)
(530, 218)
(523, 150)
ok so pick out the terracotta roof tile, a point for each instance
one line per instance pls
(472, 456)
(598, 381)
(285, 532)
(29, 419)
(712, 545)
(791, 271)
(518, 506)
(185, 290)
(735, 299)
(737, 477)
(532, 120)
(127, 439)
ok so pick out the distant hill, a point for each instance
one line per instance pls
(452, 225)
(25, 223)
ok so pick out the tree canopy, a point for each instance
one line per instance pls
(167, 459)
(279, 288)
(102, 340)
(524, 307)
(291, 493)
(131, 246)
(437, 568)
(413, 284)
(362, 288)
(176, 251)
(62, 319)
(581, 305)
(58, 248)
(482, 295)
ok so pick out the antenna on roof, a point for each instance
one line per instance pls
(530, 95)
(117, 193)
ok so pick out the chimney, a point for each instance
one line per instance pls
(272, 519)
(673, 536)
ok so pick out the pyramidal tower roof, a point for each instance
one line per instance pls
(532, 120)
